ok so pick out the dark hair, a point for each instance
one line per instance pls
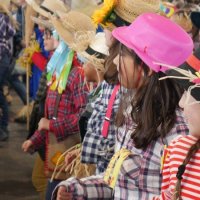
(153, 106)
(193, 149)
(111, 73)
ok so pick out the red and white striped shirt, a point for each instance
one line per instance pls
(175, 155)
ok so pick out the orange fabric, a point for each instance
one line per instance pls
(194, 62)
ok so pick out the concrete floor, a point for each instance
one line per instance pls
(16, 166)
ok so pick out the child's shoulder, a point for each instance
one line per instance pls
(182, 141)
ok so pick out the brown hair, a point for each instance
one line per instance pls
(193, 149)
(111, 73)
(153, 106)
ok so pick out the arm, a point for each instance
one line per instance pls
(87, 188)
(67, 124)
(38, 139)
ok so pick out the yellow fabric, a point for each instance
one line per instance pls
(39, 179)
(114, 167)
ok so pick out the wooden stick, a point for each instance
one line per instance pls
(27, 96)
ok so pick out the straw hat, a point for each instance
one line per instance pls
(48, 6)
(85, 6)
(4, 6)
(116, 13)
(42, 22)
(97, 51)
(75, 28)
(182, 18)
(152, 39)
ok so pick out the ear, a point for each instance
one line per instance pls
(150, 72)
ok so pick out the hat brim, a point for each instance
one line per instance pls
(44, 23)
(37, 8)
(122, 37)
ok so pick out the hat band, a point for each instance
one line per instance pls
(46, 9)
(97, 54)
(194, 62)
(117, 20)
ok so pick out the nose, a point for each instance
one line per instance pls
(116, 62)
(182, 101)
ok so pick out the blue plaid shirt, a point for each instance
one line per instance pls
(96, 149)
(6, 33)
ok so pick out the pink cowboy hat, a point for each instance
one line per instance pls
(156, 39)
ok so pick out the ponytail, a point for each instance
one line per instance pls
(181, 169)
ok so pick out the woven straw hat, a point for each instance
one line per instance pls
(130, 9)
(116, 13)
(48, 6)
(182, 19)
(97, 51)
(42, 22)
(85, 6)
(75, 28)
(4, 6)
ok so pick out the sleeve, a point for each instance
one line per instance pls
(87, 188)
(38, 139)
(166, 193)
(39, 60)
(69, 124)
(10, 29)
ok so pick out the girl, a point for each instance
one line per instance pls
(181, 166)
(150, 117)
(98, 149)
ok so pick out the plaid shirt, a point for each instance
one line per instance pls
(96, 149)
(6, 33)
(72, 101)
(139, 176)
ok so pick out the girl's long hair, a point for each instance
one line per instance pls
(194, 148)
(153, 106)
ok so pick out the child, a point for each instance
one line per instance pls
(181, 172)
(150, 117)
(94, 69)
(51, 41)
(66, 94)
(98, 149)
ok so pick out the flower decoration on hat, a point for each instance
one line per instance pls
(101, 16)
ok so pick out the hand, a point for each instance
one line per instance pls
(43, 124)
(71, 156)
(27, 146)
(62, 194)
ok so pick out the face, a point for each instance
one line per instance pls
(90, 72)
(49, 41)
(191, 110)
(130, 75)
(109, 37)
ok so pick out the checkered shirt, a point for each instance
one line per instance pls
(96, 149)
(139, 176)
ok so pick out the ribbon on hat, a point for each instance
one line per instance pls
(58, 67)
(167, 9)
